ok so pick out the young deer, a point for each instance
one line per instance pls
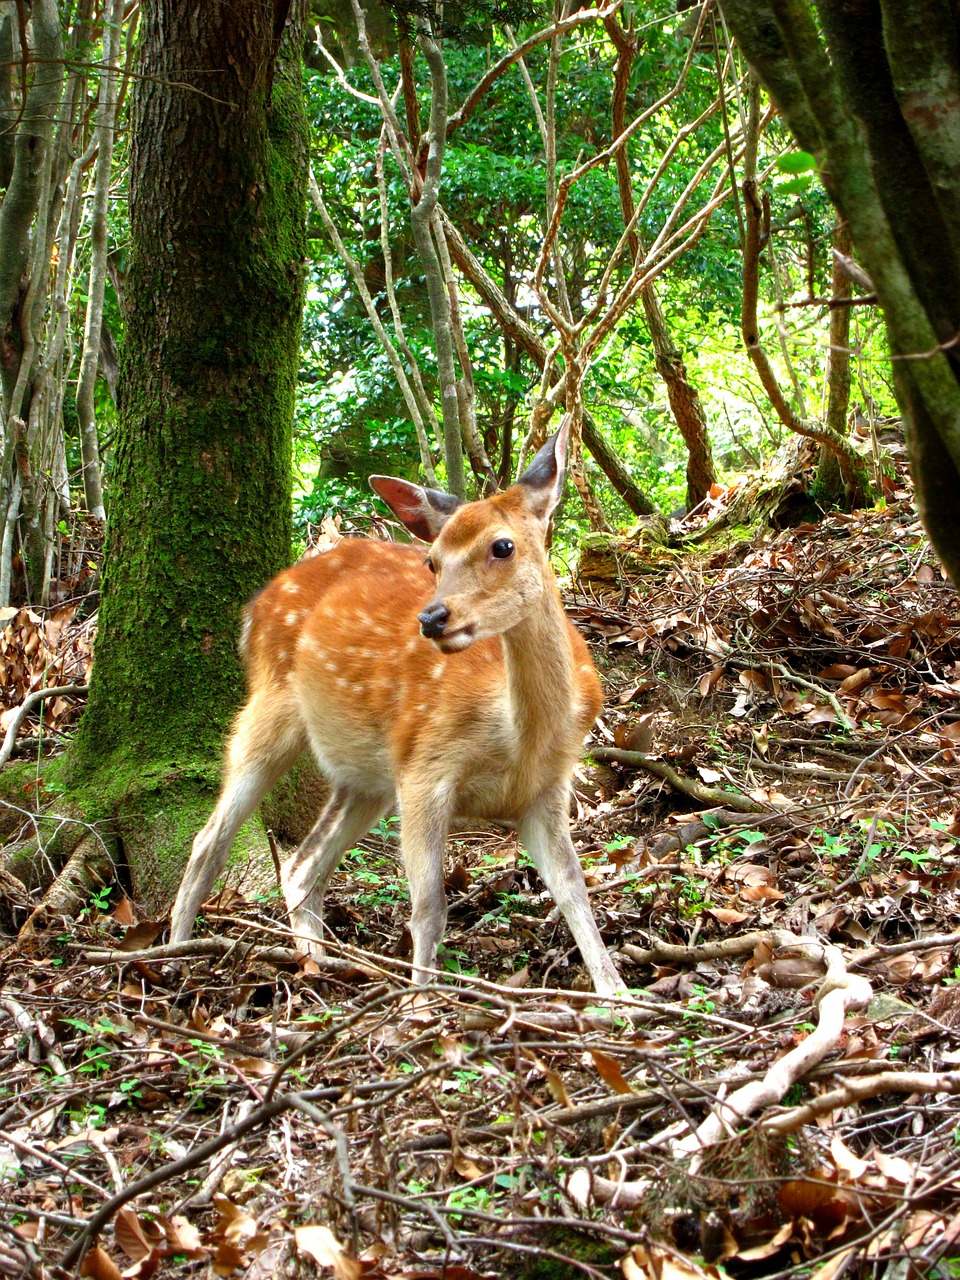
(453, 685)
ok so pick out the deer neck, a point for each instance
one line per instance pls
(538, 661)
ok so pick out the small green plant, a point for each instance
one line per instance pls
(456, 961)
(202, 1071)
(90, 1115)
(96, 1061)
(617, 843)
(693, 895)
(700, 1001)
(477, 1198)
(99, 901)
(389, 828)
(917, 858)
(467, 1080)
(131, 1089)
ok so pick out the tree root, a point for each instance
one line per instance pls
(677, 953)
(89, 867)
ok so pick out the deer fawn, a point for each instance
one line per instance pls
(454, 685)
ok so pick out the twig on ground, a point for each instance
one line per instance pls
(687, 786)
(831, 697)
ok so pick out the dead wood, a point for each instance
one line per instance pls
(688, 786)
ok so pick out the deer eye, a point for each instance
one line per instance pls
(502, 549)
(430, 565)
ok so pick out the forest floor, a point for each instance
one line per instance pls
(779, 1097)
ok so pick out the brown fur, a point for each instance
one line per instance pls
(335, 659)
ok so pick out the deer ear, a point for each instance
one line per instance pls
(423, 511)
(544, 477)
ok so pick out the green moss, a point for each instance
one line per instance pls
(294, 804)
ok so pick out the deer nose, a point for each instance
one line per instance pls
(433, 620)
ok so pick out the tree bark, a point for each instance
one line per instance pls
(829, 482)
(200, 511)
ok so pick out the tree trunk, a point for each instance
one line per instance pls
(830, 489)
(855, 84)
(685, 403)
(200, 511)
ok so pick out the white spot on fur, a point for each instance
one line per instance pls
(291, 588)
(294, 616)
(330, 666)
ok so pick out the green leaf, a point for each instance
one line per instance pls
(797, 162)
(793, 186)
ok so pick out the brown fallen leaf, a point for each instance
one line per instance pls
(98, 1264)
(610, 1071)
(850, 1167)
(557, 1088)
(727, 915)
(141, 935)
(129, 1235)
(123, 912)
(769, 1248)
(466, 1167)
(319, 1242)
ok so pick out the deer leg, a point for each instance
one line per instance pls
(262, 747)
(423, 831)
(346, 817)
(545, 834)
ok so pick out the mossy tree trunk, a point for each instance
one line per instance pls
(200, 496)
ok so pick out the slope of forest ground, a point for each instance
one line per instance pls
(769, 828)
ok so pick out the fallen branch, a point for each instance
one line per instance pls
(195, 948)
(677, 953)
(793, 678)
(872, 954)
(840, 993)
(687, 786)
(199, 1155)
(39, 1037)
(26, 706)
(857, 1090)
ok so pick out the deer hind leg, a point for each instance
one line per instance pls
(265, 742)
(346, 817)
(425, 817)
(545, 834)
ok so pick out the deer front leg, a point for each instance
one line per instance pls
(545, 834)
(305, 875)
(424, 819)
